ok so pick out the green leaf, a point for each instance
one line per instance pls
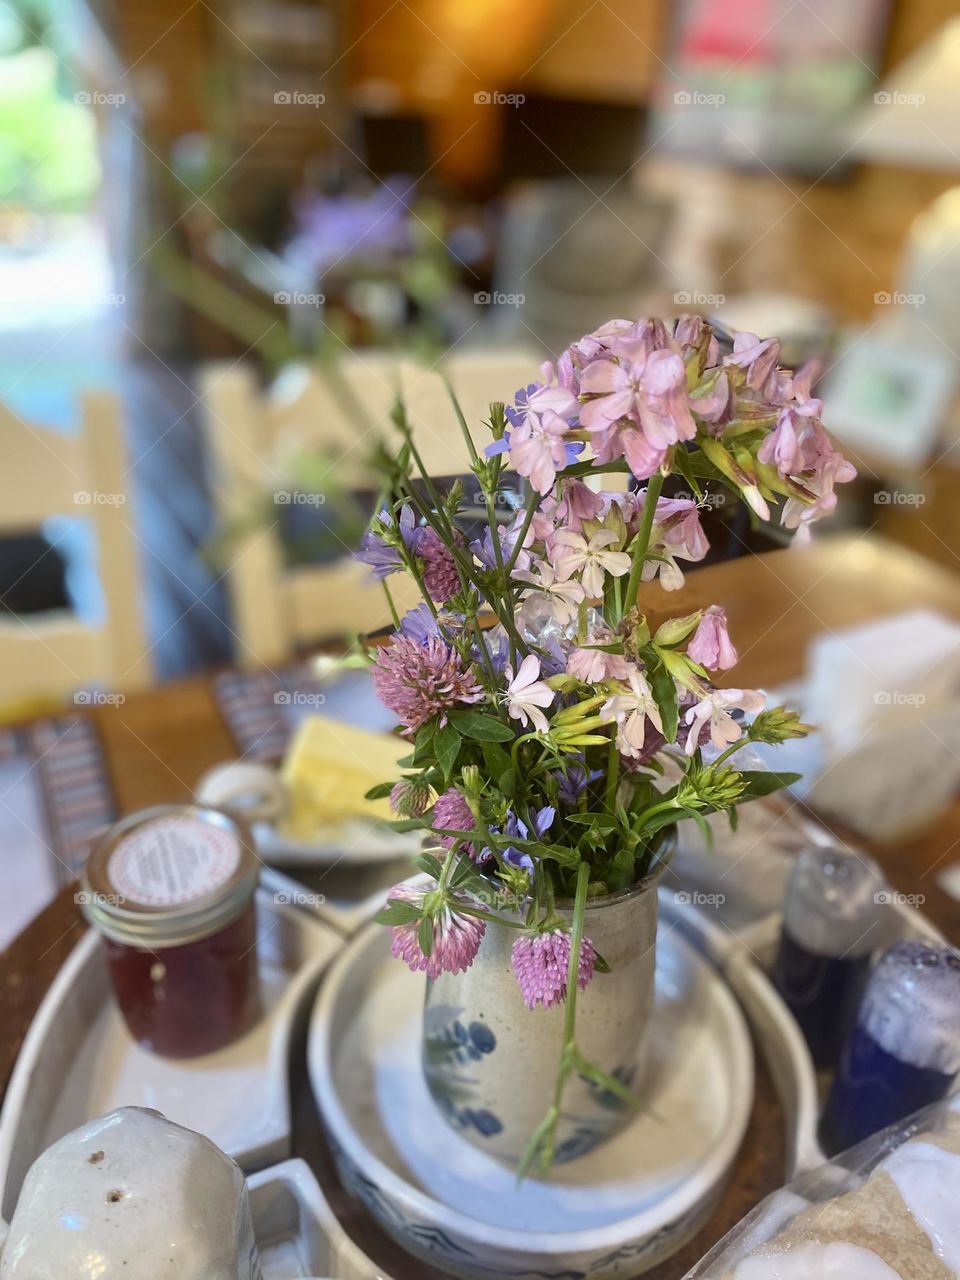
(665, 693)
(378, 792)
(408, 824)
(507, 782)
(497, 760)
(431, 864)
(446, 746)
(760, 783)
(397, 912)
(425, 935)
(474, 724)
(600, 821)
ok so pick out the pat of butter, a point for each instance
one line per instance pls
(328, 769)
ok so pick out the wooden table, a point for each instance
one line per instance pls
(158, 743)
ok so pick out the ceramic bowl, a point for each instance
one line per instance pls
(613, 1213)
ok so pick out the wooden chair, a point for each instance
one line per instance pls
(46, 473)
(277, 609)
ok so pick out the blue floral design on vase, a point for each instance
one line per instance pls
(450, 1044)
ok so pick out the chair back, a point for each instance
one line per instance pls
(341, 412)
(47, 473)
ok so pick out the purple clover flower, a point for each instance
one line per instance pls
(540, 963)
(456, 937)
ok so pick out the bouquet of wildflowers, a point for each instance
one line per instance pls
(557, 732)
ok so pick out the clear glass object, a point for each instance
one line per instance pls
(833, 919)
(903, 1051)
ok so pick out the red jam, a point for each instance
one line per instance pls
(184, 1001)
(172, 892)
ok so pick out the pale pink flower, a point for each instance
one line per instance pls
(650, 391)
(563, 596)
(540, 962)
(714, 711)
(456, 937)
(760, 360)
(631, 709)
(590, 559)
(593, 666)
(527, 694)
(677, 535)
(538, 449)
(578, 502)
(711, 645)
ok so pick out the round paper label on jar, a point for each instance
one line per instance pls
(173, 860)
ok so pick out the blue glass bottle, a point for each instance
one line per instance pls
(833, 919)
(903, 1051)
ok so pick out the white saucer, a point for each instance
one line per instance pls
(256, 792)
(612, 1213)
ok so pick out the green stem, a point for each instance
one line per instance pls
(393, 607)
(642, 540)
(533, 505)
(613, 774)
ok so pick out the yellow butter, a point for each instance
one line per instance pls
(329, 767)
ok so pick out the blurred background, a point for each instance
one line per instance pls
(230, 229)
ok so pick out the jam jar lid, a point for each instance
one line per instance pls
(169, 875)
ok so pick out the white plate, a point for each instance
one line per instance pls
(256, 792)
(79, 1061)
(356, 841)
(613, 1213)
(296, 1231)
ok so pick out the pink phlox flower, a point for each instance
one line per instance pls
(538, 449)
(593, 665)
(650, 391)
(631, 709)
(711, 645)
(758, 358)
(563, 596)
(527, 694)
(714, 712)
(677, 535)
(590, 558)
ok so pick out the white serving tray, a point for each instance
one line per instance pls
(613, 1213)
(297, 1233)
(79, 1061)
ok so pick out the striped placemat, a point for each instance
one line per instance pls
(263, 708)
(64, 754)
(256, 706)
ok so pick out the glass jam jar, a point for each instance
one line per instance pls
(171, 889)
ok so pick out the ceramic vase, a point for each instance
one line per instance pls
(490, 1062)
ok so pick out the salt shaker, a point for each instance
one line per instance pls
(832, 921)
(903, 1051)
(132, 1196)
